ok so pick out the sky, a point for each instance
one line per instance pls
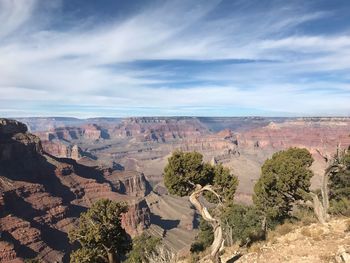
(111, 58)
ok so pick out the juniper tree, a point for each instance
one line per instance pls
(339, 183)
(100, 234)
(187, 175)
(285, 178)
(143, 246)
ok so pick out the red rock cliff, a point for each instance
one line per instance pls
(42, 197)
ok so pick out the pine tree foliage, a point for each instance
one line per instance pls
(187, 175)
(100, 234)
(339, 185)
(186, 169)
(143, 247)
(285, 178)
(242, 224)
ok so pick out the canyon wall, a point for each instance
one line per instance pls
(41, 197)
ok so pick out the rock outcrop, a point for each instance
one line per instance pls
(137, 218)
(62, 150)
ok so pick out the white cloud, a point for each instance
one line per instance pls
(13, 14)
(48, 66)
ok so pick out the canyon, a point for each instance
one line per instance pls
(56, 168)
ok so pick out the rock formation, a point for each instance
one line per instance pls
(62, 149)
(42, 196)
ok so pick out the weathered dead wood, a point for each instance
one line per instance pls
(218, 242)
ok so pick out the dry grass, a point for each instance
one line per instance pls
(306, 232)
(326, 258)
(280, 230)
(256, 247)
(315, 234)
(304, 215)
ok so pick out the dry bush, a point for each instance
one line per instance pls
(306, 232)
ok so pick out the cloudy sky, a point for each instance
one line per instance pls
(87, 58)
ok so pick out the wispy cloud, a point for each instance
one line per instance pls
(173, 57)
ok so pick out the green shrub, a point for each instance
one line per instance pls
(100, 233)
(304, 214)
(285, 178)
(243, 223)
(340, 206)
(339, 185)
(204, 238)
(142, 246)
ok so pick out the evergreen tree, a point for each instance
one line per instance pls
(285, 178)
(204, 238)
(187, 175)
(339, 185)
(242, 224)
(100, 234)
(143, 246)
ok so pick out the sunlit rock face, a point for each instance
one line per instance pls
(158, 129)
(62, 150)
(321, 133)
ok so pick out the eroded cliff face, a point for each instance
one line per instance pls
(321, 133)
(139, 129)
(41, 197)
(137, 218)
(131, 183)
(62, 150)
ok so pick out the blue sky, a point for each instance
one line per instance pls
(88, 58)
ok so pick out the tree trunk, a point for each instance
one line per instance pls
(325, 192)
(319, 209)
(112, 257)
(218, 242)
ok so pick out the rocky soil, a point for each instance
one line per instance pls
(309, 244)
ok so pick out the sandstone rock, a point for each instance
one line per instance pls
(158, 129)
(137, 218)
(11, 127)
(62, 150)
(8, 253)
(24, 146)
(92, 132)
(342, 256)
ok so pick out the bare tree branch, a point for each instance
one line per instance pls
(217, 244)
